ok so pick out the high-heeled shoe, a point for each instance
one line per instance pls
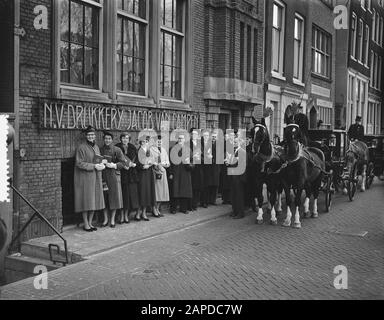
(127, 221)
(137, 218)
(87, 230)
(145, 219)
(113, 226)
(93, 228)
(104, 225)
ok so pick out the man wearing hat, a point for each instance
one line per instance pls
(88, 184)
(356, 131)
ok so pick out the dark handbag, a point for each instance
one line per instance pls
(158, 173)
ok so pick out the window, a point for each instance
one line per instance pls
(242, 49)
(373, 24)
(365, 46)
(373, 118)
(298, 48)
(381, 32)
(321, 52)
(130, 46)
(278, 37)
(379, 72)
(377, 27)
(79, 43)
(249, 53)
(172, 48)
(359, 42)
(255, 54)
(363, 4)
(372, 68)
(352, 48)
(325, 114)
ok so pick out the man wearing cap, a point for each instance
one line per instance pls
(88, 184)
(356, 131)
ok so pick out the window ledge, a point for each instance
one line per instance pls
(353, 58)
(298, 82)
(319, 76)
(83, 94)
(278, 76)
(174, 104)
(135, 100)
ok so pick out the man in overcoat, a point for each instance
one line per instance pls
(356, 131)
(197, 177)
(88, 184)
(180, 177)
(238, 181)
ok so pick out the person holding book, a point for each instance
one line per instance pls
(129, 178)
(114, 162)
(88, 185)
(160, 171)
(147, 194)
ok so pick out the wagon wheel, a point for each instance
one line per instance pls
(352, 183)
(328, 192)
(370, 175)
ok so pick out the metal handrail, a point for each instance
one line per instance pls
(41, 217)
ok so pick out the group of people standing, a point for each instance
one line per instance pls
(125, 178)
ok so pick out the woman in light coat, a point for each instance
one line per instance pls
(162, 163)
(88, 184)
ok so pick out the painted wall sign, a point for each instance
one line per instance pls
(72, 117)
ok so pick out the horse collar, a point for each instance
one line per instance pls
(293, 125)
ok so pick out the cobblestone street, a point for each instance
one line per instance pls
(236, 259)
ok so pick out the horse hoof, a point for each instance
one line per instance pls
(315, 215)
(297, 225)
(286, 224)
(274, 223)
(260, 222)
(307, 215)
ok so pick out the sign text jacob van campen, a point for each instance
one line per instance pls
(72, 117)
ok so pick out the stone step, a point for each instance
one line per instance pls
(42, 252)
(19, 267)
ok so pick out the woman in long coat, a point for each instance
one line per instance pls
(129, 178)
(88, 183)
(162, 163)
(181, 180)
(146, 180)
(114, 161)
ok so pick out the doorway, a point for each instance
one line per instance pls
(224, 122)
(67, 190)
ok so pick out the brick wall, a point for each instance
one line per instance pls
(40, 169)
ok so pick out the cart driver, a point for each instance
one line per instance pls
(356, 131)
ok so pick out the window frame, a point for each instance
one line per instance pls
(183, 36)
(328, 37)
(59, 84)
(300, 77)
(353, 36)
(280, 73)
(129, 16)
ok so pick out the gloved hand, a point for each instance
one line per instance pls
(99, 167)
(112, 166)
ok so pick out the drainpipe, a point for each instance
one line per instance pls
(18, 31)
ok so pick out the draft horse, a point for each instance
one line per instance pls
(357, 159)
(267, 160)
(304, 171)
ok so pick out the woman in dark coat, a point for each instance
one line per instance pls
(88, 184)
(129, 178)
(114, 161)
(181, 180)
(147, 191)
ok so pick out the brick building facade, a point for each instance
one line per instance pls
(300, 60)
(122, 66)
